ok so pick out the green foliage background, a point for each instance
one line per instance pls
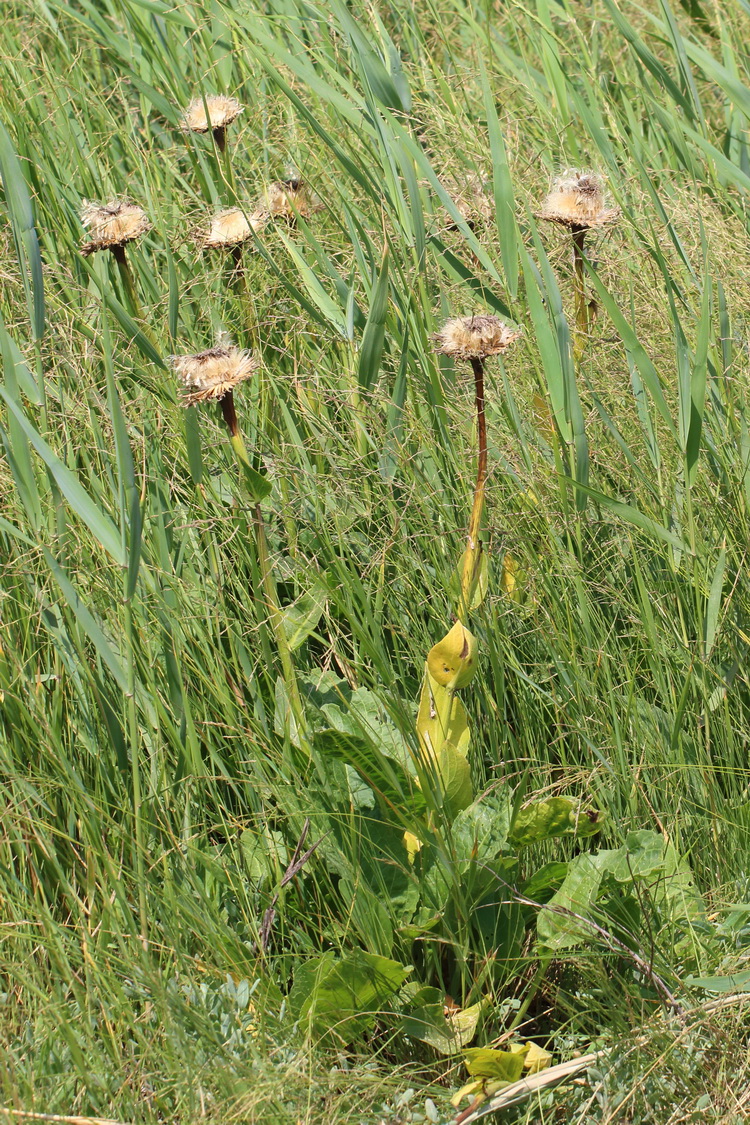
(138, 672)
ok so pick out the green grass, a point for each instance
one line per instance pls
(154, 790)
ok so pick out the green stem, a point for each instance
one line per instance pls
(581, 308)
(534, 986)
(273, 609)
(473, 554)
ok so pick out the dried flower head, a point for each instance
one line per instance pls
(210, 375)
(474, 337)
(288, 198)
(232, 227)
(577, 200)
(213, 112)
(112, 224)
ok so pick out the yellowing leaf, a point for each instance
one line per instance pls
(441, 719)
(452, 662)
(412, 845)
(536, 1059)
(466, 1091)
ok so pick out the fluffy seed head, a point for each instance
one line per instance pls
(577, 200)
(474, 337)
(288, 198)
(232, 227)
(221, 112)
(211, 374)
(112, 224)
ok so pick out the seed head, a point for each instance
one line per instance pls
(287, 199)
(210, 375)
(112, 224)
(577, 200)
(232, 227)
(221, 112)
(474, 337)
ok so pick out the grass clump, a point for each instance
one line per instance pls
(259, 858)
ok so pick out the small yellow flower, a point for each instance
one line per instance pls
(474, 337)
(112, 224)
(577, 200)
(207, 114)
(210, 375)
(232, 227)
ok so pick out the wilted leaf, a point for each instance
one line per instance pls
(556, 816)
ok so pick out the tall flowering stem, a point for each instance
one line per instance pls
(473, 554)
(213, 375)
(577, 201)
(474, 339)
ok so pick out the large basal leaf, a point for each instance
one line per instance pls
(556, 816)
(345, 997)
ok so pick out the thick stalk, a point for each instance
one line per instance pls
(126, 274)
(473, 555)
(273, 609)
(581, 309)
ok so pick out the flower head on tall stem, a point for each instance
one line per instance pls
(211, 375)
(577, 200)
(112, 225)
(211, 114)
(474, 338)
(231, 227)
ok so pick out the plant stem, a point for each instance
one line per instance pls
(135, 767)
(128, 281)
(473, 555)
(581, 309)
(275, 614)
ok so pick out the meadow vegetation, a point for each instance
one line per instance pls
(338, 774)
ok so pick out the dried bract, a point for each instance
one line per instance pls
(210, 375)
(287, 199)
(232, 227)
(577, 200)
(474, 337)
(213, 112)
(112, 224)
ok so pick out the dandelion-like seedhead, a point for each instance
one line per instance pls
(112, 224)
(577, 200)
(214, 112)
(232, 227)
(474, 337)
(288, 198)
(209, 375)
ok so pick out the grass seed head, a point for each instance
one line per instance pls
(221, 112)
(577, 200)
(112, 224)
(232, 227)
(209, 375)
(287, 199)
(474, 337)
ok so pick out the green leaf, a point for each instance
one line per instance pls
(24, 231)
(486, 1062)
(345, 997)
(556, 816)
(374, 334)
(99, 523)
(736, 982)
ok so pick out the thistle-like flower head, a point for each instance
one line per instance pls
(287, 199)
(474, 337)
(112, 224)
(221, 112)
(577, 200)
(210, 375)
(232, 227)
